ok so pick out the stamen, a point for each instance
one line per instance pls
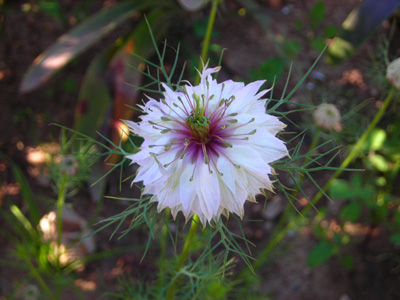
(215, 166)
(227, 144)
(206, 160)
(186, 143)
(194, 169)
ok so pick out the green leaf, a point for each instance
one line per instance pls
(351, 212)
(27, 195)
(395, 238)
(292, 47)
(379, 162)
(330, 31)
(74, 42)
(339, 189)
(378, 137)
(358, 26)
(51, 6)
(94, 97)
(347, 261)
(321, 253)
(269, 69)
(397, 217)
(318, 44)
(317, 13)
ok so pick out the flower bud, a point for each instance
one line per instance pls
(69, 165)
(327, 116)
(393, 73)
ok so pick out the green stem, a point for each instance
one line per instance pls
(60, 204)
(163, 247)
(207, 38)
(183, 256)
(353, 154)
(195, 221)
(39, 278)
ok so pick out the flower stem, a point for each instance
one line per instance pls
(183, 256)
(163, 246)
(278, 236)
(207, 38)
(195, 220)
(60, 204)
(39, 278)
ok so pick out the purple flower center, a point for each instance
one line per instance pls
(202, 135)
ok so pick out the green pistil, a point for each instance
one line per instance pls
(198, 123)
(199, 126)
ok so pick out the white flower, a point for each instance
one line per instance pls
(327, 116)
(393, 73)
(207, 148)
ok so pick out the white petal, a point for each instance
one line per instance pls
(207, 190)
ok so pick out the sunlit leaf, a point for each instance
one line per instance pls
(74, 42)
(379, 162)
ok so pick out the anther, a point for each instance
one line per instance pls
(155, 156)
(228, 145)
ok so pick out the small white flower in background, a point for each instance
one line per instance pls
(207, 148)
(192, 5)
(393, 73)
(327, 116)
(69, 165)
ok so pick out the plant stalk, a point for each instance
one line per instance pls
(60, 204)
(171, 292)
(207, 38)
(183, 255)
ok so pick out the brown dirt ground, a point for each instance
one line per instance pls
(24, 122)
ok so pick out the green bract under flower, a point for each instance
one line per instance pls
(207, 148)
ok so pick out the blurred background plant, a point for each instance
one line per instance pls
(338, 249)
